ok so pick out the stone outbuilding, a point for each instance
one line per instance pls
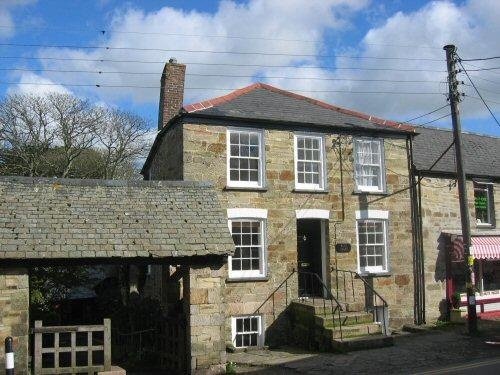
(84, 222)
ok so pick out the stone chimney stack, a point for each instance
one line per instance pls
(171, 91)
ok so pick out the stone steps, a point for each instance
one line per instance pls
(355, 330)
(314, 319)
(347, 318)
(363, 343)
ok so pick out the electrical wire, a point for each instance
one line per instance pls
(478, 93)
(246, 37)
(220, 64)
(99, 85)
(477, 98)
(108, 48)
(220, 75)
(425, 114)
(436, 119)
(482, 58)
(483, 89)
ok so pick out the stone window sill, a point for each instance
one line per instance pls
(361, 192)
(242, 188)
(375, 274)
(246, 279)
(310, 191)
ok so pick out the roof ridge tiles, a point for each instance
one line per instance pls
(209, 103)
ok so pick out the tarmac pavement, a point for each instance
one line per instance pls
(446, 350)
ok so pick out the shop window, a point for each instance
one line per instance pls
(483, 202)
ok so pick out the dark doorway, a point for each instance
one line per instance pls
(310, 244)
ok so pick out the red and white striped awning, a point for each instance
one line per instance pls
(486, 247)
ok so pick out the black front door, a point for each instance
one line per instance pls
(309, 249)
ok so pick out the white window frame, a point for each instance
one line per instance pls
(321, 185)
(250, 214)
(380, 216)
(382, 178)
(261, 171)
(260, 330)
(488, 188)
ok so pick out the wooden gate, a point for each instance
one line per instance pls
(72, 349)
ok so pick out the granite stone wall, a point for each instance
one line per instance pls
(167, 164)
(441, 212)
(204, 303)
(204, 158)
(14, 308)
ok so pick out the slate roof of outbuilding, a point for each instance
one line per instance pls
(481, 152)
(66, 218)
(260, 101)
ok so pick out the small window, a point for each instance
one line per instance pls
(372, 241)
(309, 162)
(369, 170)
(483, 201)
(247, 331)
(249, 239)
(245, 161)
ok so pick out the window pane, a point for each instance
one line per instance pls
(371, 243)
(244, 139)
(254, 139)
(368, 163)
(235, 150)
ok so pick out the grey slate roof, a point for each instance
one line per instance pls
(65, 218)
(264, 102)
(481, 152)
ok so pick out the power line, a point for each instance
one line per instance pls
(483, 89)
(477, 98)
(436, 119)
(98, 85)
(220, 64)
(221, 75)
(213, 52)
(225, 36)
(478, 93)
(425, 114)
(482, 58)
(482, 69)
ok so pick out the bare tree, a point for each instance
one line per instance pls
(76, 123)
(26, 133)
(122, 137)
(62, 135)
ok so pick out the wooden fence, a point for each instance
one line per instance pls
(72, 349)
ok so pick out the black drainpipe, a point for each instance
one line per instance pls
(416, 220)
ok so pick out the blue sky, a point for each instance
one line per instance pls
(326, 49)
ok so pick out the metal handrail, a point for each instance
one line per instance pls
(362, 278)
(274, 292)
(385, 305)
(329, 295)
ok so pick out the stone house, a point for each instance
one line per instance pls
(440, 268)
(61, 222)
(308, 187)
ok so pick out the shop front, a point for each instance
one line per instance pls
(485, 250)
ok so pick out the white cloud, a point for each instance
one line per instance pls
(294, 19)
(31, 83)
(472, 25)
(8, 26)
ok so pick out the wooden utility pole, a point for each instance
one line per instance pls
(454, 97)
